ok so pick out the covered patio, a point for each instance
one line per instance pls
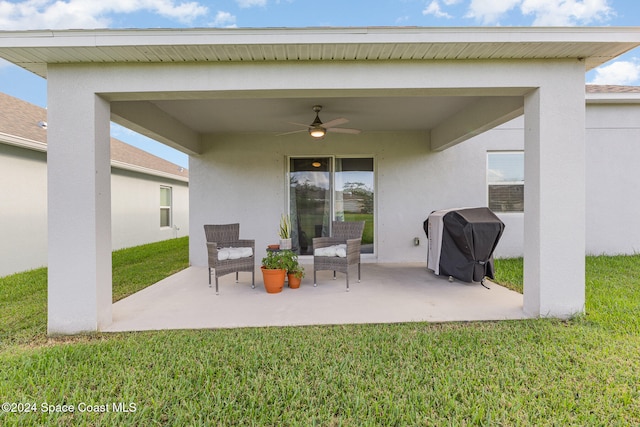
(423, 98)
(388, 293)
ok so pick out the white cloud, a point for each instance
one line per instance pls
(490, 11)
(618, 73)
(544, 12)
(224, 19)
(566, 12)
(434, 9)
(251, 3)
(52, 14)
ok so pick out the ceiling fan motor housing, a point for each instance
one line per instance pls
(316, 129)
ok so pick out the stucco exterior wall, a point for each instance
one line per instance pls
(508, 137)
(613, 180)
(411, 182)
(23, 209)
(135, 209)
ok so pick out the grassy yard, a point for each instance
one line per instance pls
(367, 233)
(582, 372)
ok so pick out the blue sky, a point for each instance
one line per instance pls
(64, 14)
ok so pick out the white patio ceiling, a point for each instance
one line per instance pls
(272, 115)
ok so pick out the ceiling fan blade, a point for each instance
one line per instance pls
(335, 122)
(299, 124)
(293, 131)
(344, 130)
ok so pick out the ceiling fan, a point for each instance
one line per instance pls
(317, 129)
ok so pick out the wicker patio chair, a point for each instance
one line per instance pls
(227, 236)
(349, 233)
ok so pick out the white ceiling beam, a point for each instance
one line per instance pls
(475, 119)
(147, 119)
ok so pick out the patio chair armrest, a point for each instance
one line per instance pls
(353, 242)
(353, 249)
(212, 251)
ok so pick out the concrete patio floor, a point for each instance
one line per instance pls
(388, 293)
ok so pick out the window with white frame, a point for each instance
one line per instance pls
(505, 181)
(165, 206)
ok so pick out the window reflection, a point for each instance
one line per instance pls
(326, 189)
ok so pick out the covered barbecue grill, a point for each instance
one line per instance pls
(462, 241)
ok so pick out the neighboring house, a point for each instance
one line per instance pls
(230, 98)
(139, 183)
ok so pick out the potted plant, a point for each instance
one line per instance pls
(285, 232)
(295, 272)
(274, 270)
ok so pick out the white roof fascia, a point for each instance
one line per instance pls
(310, 35)
(613, 98)
(23, 142)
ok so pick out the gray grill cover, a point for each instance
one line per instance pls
(469, 237)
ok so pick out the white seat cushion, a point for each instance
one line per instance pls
(234, 253)
(335, 250)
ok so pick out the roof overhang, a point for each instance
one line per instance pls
(33, 50)
(180, 119)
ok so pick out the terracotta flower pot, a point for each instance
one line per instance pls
(294, 281)
(273, 280)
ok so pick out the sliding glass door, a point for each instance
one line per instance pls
(323, 189)
(354, 185)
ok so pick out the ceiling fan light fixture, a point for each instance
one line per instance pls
(317, 132)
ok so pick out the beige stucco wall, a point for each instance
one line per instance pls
(135, 199)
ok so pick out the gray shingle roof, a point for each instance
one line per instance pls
(21, 119)
(612, 89)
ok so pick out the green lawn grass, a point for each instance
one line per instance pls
(136, 268)
(367, 233)
(581, 372)
(23, 296)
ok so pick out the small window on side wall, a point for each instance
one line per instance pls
(165, 206)
(505, 181)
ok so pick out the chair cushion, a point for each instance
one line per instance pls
(234, 253)
(335, 250)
